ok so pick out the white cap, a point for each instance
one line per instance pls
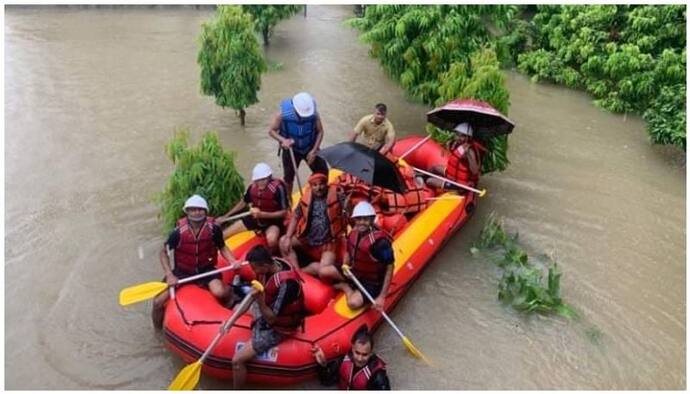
(195, 201)
(363, 208)
(464, 128)
(261, 171)
(304, 104)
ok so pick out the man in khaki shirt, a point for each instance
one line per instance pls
(378, 132)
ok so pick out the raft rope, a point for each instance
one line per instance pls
(193, 322)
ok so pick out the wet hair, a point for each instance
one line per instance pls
(363, 336)
(381, 107)
(259, 255)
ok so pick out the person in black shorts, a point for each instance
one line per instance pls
(196, 241)
(370, 255)
(269, 207)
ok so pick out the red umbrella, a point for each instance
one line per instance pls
(485, 119)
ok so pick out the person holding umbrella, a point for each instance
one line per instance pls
(371, 258)
(464, 164)
(298, 129)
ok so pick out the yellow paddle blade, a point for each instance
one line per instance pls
(188, 377)
(414, 351)
(141, 292)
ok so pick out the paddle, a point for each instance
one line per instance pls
(480, 192)
(188, 377)
(148, 290)
(294, 166)
(238, 216)
(408, 344)
(417, 145)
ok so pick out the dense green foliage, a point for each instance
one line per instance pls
(522, 284)
(631, 58)
(231, 60)
(442, 52)
(267, 16)
(205, 169)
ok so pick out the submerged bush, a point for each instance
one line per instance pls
(522, 284)
(205, 169)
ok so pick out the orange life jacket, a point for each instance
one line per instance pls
(334, 210)
(458, 168)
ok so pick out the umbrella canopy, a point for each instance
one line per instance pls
(485, 120)
(364, 163)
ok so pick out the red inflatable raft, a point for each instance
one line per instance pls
(193, 319)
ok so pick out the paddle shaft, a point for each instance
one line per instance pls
(233, 217)
(228, 323)
(371, 299)
(205, 274)
(417, 145)
(294, 166)
(480, 192)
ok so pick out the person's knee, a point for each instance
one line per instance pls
(217, 288)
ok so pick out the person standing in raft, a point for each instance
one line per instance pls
(279, 310)
(464, 163)
(269, 200)
(316, 226)
(195, 241)
(370, 255)
(360, 369)
(377, 131)
(298, 127)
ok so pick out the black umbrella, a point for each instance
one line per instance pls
(364, 163)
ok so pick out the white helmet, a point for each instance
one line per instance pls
(195, 201)
(464, 128)
(260, 171)
(363, 208)
(304, 104)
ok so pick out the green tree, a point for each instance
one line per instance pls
(205, 169)
(442, 52)
(267, 16)
(231, 60)
(629, 57)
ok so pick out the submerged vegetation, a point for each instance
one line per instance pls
(523, 284)
(205, 169)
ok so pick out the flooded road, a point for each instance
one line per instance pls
(93, 95)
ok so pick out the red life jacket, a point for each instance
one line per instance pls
(365, 266)
(360, 379)
(458, 168)
(265, 199)
(195, 253)
(334, 210)
(292, 315)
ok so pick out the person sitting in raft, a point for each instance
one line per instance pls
(377, 131)
(371, 258)
(196, 241)
(279, 310)
(269, 200)
(360, 369)
(316, 226)
(298, 127)
(464, 163)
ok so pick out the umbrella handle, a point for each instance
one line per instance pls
(294, 167)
